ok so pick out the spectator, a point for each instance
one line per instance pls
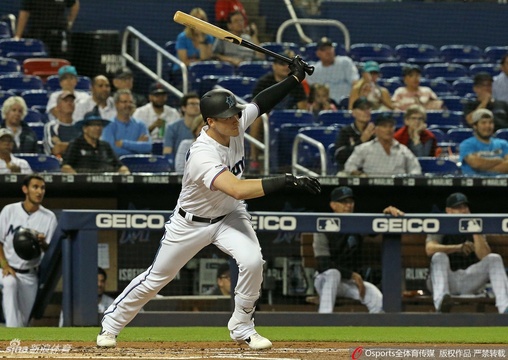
(383, 155)
(125, 134)
(367, 86)
(19, 278)
(10, 164)
(338, 72)
(462, 264)
(319, 99)
(225, 7)
(339, 260)
(193, 45)
(181, 129)
(223, 286)
(482, 86)
(181, 153)
(500, 85)
(14, 110)
(88, 153)
(58, 133)
(49, 23)
(232, 53)
(483, 154)
(414, 133)
(156, 115)
(101, 91)
(68, 78)
(414, 94)
(360, 131)
(124, 79)
(104, 300)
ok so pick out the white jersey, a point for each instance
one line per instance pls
(147, 115)
(22, 163)
(14, 216)
(206, 160)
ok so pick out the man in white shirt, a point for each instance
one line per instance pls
(101, 91)
(10, 164)
(500, 84)
(156, 114)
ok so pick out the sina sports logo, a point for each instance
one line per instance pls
(230, 101)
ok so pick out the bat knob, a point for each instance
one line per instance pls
(309, 69)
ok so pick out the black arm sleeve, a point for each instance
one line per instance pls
(271, 96)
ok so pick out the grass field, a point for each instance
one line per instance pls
(433, 335)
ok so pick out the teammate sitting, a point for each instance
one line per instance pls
(210, 209)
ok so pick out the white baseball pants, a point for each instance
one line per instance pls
(19, 295)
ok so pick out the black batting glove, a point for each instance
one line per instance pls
(297, 68)
(306, 183)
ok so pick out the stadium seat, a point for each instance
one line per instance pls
(459, 134)
(462, 54)
(463, 86)
(254, 69)
(393, 69)
(5, 30)
(371, 51)
(170, 47)
(38, 128)
(140, 163)
(43, 67)
(8, 46)
(495, 53)
(198, 70)
(84, 83)
(307, 154)
(35, 97)
(438, 166)
(53, 83)
(281, 47)
(452, 102)
(309, 52)
(8, 65)
(439, 86)
(502, 134)
(331, 117)
(417, 53)
(445, 118)
(34, 116)
(19, 83)
(4, 95)
(343, 103)
(492, 69)
(439, 134)
(448, 71)
(390, 84)
(239, 85)
(41, 163)
(157, 146)
(205, 84)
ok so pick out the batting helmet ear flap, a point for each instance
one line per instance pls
(26, 245)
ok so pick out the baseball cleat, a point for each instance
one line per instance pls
(106, 339)
(258, 342)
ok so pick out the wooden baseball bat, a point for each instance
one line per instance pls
(210, 29)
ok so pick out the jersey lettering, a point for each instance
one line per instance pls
(12, 229)
(238, 167)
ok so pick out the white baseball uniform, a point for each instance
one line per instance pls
(19, 292)
(230, 230)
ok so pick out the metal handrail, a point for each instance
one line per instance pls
(137, 36)
(319, 22)
(294, 155)
(12, 22)
(292, 13)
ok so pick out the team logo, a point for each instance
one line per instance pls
(230, 101)
(470, 225)
(328, 224)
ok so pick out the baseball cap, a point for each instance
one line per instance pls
(341, 193)
(67, 70)
(324, 42)
(384, 117)
(482, 77)
(362, 103)
(407, 70)
(6, 132)
(65, 94)
(124, 73)
(157, 88)
(482, 114)
(456, 199)
(371, 66)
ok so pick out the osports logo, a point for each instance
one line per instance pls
(401, 225)
(129, 221)
(285, 223)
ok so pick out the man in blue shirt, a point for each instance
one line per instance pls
(125, 134)
(483, 154)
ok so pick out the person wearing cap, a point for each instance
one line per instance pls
(358, 132)
(156, 115)
(500, 82)
(181, 153)
(68, 79)
(414, 133)
(463, 264)
(100, 99)
(383, 155)
(125, 134)
(414, 94)
(367, 86)
(10, 164)
(337, 71)
(482, 87)
(14, 110)
(88, 153)
(223, 285)
(483, 154)
(59, 132)
(339, 260)
(181, 129)
(124, 79)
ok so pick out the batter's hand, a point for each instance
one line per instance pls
(306, 183)
(297, 68)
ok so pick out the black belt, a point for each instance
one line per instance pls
(200, 219)
(24, 271)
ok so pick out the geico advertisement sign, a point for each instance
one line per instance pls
(401, 225)
(285, 223)
(129, 221)
(504, 225)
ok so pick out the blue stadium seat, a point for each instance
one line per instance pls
(439, 134)
(448, 71)
(84, 83)
(439, 86)
(463, 86)
(390, 84)
(309, 52)
(492, 69)
(308, 155)
(140, 163)
(331, 118)
(170, 47)
(8, 65)
(495, 53)
(452, 102)
(458, 135)
(157, 146)
(35, 97)
(5, 30)
(417, 53)
(38, 128)
(53, 83)
(463, 54)
(34, 116)
(9, 46)
(254, 69)
(198, 70)
(343, 103)
(502, 134)
(281, 47)
(205, 84)
(4, 95)
(41, 163)
(239, 85)
(372, 51)
(445, 118)
(393, 69)
(19, 83)
(438, 166)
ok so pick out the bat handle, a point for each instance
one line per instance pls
(309, 69)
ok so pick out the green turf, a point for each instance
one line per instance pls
(478, 335)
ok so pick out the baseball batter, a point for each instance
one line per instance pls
(19, 277)
(210, 210)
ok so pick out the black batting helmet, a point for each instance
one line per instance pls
(219, 103)
(26, 244)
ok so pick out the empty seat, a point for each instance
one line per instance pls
(41, 162)
(465, 54)
(34, 116)
(439, 134)
(208, 68)
(279, 47)
(372, 51)
(495, 53)
(445, 118)
(35, 97)
(502, 134)
(254, 69)
(8, 65)
(43, 67)
(239, 85)
(140, 163)
(390, 84)
(5, 30)
(170, 47)
(8, 46)
(339, 117)
(393, 69)
(417, 52)
(463, 86)
(448, 71)
(19, 83)
(439, 86)
(492, 69)
(453, 102)
(459, 134)
(310, 154)
(38, 128)
(438, 165)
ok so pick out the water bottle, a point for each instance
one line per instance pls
(64, 41)
(162, 129)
